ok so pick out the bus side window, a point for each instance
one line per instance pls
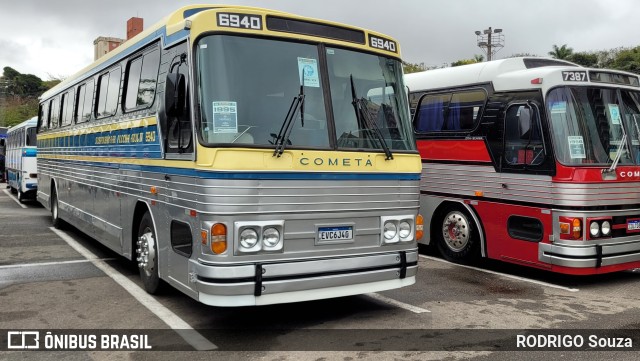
(179, 133)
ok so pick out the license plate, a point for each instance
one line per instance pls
(633, 225)
(328, 234)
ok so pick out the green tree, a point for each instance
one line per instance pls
(464, 62)
(562, 52)
(412, 68)
(479, 58)
(627, 60)
(588, 59)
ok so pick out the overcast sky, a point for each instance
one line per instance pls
(56, 37)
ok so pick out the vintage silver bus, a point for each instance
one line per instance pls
(233, 152)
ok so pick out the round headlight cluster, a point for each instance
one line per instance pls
(600, 228)
(248, 238)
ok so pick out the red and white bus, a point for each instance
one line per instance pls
(532, 161)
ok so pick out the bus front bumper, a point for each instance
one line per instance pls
(296, 281)
(590, 256)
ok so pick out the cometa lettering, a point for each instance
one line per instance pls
(334, 162)
(630, 174)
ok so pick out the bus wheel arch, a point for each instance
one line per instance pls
(145, 248)
(457, 232)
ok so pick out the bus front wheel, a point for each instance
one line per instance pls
(147, 255)
(457, 238)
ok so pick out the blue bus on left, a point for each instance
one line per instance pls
(3, 145)
(20, 159)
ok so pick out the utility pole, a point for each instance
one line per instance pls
(490, 40)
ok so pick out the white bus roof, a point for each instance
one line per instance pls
(504, 74)
(32, 122)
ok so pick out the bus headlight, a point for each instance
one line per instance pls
(248, 238)
(606, 228)
(404, 230)
(390, 231)
(271, 238)
(594, 229)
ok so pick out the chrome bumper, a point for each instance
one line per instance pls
(589, 256)
(268, 283)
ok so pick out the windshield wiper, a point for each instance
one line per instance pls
(364, 118)
(287, 125)
(621, 146)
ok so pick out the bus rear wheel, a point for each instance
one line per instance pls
(147, 255)
(457, 238)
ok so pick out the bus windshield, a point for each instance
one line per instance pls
(587, 125)
(247, 86)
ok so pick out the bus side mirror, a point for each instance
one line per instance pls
(524, 120)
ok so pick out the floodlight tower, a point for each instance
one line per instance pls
(490, 40)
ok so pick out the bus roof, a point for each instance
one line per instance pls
(172, 29)
(504, 74)
(31, 122)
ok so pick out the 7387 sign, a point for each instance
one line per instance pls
(382, 43)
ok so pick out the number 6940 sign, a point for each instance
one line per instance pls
(240, 21)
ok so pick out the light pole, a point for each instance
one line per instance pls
(490, 40)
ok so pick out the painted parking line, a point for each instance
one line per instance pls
(39, 264)
(391, 301)
(14, 198)
(191, 336)
(506, 275)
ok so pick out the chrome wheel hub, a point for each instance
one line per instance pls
(455, 230)
(146, 252)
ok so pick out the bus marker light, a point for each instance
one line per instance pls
(419, 226)
(536, 81)
(154, 190)
(479, 193)
(565, 228)
(193, 213)
(218, 238)
(577, 228)
(205, 236)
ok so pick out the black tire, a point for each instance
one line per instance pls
(14, 191)
(457, 236)
(55, 210)
(148, 263)
(21, 196)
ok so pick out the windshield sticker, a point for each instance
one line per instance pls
(559, 108)
(309, 67)
(614, 112)
(576, 147)
(225, 117)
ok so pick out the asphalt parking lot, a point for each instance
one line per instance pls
(51, 280)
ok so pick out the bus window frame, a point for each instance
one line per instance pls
(451, 92)
(545, 150)
(125, 85)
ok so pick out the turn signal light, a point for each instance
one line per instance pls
(576, 228)
(419, 227)
(218, 238)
